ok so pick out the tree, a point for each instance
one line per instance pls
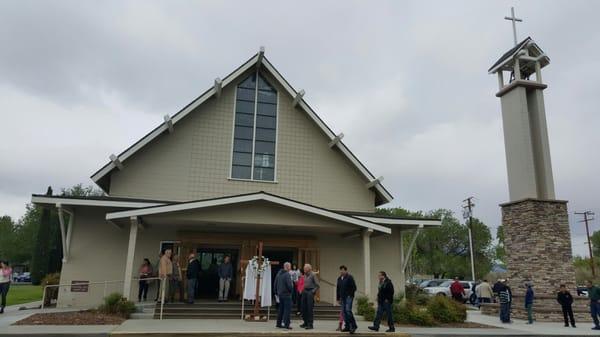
(444, 251)
(499, 249)
(595, 239)
(41, 251)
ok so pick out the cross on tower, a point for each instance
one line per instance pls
(514, 22)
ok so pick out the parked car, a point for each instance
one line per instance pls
(444, 290)
(23, 277)
(431, 283)
(582, 291)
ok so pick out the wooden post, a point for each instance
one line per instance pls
(257, 301)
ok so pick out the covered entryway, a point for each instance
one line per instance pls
(242, 221)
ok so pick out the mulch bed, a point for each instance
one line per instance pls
(71, 318)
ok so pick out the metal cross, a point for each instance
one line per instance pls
(514, 22)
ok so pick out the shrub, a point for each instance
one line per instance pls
(445, 310)
(422, 299)
(51, 292)
(420, 316)
(362, 304)
(116, 304)
(407, 312)
(411, 291)
(369, 313)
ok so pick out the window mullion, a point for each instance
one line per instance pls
(254, 126)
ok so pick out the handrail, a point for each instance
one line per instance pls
(106, 283)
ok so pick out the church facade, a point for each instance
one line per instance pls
(247, 162)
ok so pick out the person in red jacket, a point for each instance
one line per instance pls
(457, 291)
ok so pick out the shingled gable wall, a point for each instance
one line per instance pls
(194, 161)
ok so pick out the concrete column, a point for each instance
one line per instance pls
(366, 239)
(133, 232)
(402, 280)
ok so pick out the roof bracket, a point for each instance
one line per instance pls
(169, 123)
(261, 55)
(374, 182)
(218, 87)
(336, 140)
(298, 98)
(116, 161)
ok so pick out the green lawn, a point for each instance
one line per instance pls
(23, 293)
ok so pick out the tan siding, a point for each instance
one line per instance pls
(194, 162)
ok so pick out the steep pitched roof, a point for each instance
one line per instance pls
(528, 43)
(102, 176)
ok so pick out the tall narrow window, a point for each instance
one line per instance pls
(255, 130)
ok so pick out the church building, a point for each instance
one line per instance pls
(247, 162)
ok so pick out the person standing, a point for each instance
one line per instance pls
(457, 290)
(283, 288)
(504, 299)
(191, 274)
(594, 295)
(529, 302)
(175, 282)
(345, 289)
(5, 279)
(299, 290)
(385, 298)
(484, 292)
(155, 274)
(225, 272)
(311, 285)
(294, 274)
(165, 271)
(565, 299)
(144, 273)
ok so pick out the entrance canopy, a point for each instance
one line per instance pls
(248, 212)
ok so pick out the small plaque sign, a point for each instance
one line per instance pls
(80, 286)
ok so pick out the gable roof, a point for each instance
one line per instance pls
(242, 198)
(102, 176)
(530, 45)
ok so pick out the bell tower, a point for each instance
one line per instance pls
(536, 226)
(524, 119)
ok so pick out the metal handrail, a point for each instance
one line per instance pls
(105, 283)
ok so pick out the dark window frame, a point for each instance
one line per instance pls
(266, 105)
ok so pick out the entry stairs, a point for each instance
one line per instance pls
(233, 310)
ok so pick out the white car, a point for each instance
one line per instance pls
(444, 290)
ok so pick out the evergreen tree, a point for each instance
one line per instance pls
(41, 252)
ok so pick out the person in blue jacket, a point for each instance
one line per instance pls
(529, 302)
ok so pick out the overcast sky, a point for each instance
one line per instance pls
(406, 82)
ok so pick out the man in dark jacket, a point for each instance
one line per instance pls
(191, 274)
(385, 299)
(283, 288)
(594, 295)
(346, 287)
(565, 300)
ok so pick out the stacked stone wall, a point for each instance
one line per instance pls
(537, 241)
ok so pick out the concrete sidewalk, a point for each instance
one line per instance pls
(228, 327)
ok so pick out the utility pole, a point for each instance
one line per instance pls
(587, 216)
(468, 214)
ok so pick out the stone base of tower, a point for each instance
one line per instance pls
(537, 241)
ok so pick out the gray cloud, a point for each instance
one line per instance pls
(406, 82)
